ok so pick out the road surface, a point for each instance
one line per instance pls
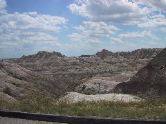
(5, 120)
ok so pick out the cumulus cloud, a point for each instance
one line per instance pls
(156, 21)
(119, 42)
(135, 40)
(118, 24)
(31, 21)
(134, 35)
(109, 10)
(93, 31)
(29, 29)
(89, 37)
(131, 12)
(105, 22)
(159, 4)
(2, 5)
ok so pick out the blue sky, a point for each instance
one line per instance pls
(76, 27)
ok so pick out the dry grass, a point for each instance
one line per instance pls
(149, 109)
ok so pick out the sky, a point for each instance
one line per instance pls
(76, 27)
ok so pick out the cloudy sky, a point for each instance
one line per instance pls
(76, 27)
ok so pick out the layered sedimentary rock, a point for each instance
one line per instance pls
(52, 74)
(149, 81)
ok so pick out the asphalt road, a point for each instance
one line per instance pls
(4, 120)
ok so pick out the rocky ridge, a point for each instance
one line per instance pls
(149, 81)
(54, 74)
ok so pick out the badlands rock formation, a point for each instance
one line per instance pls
(74, 97)
(149, 81)
(53, 74)
(102, 85)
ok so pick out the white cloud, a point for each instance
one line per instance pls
(93, 31)
(31, 21)
(126, 15)
(134, 35)
(106, 23)
(109, 10)
(135, 40)
(163, 29)
(159, 4)
(125, 41)
(156, 22)
(144, 37)
(140, 13)
(2, 5)
(144, 15)
(29, 29)
(89, 37)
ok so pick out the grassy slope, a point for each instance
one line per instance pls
(150, 109)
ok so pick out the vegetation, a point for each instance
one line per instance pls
(149, 109)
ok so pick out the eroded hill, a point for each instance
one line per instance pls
(53, 74)
(149, 81)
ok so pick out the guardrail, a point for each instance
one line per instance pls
(74, 120)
